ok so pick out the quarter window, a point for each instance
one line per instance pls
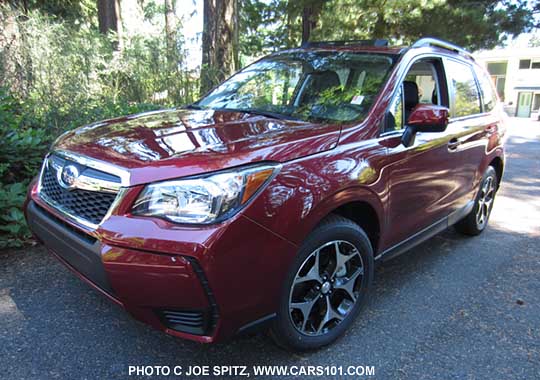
(395, 113)
(466, 99)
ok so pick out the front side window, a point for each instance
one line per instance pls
(421, 86)
(317, 86)
(466, 99)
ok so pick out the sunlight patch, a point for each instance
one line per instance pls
(8, 308)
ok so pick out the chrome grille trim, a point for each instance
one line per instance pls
(96, 164)
(87, 184)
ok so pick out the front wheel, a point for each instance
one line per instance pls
(325, 287)
(477, 220)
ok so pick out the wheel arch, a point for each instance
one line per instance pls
(363, 214)
(498, 165)
(362, 206)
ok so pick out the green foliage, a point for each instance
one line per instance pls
(55, 76)
(274, 24)
(74, 77)
(68, 10)
(20, 156)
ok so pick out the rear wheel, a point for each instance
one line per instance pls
(325, 287)
(477, 220)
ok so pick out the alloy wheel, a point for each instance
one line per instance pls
(485, 202)
(326, 288)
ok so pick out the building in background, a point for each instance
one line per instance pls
(516, 75)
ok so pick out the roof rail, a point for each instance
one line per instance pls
(376, 43)
(428, 41)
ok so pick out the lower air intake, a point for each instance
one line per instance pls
(191, 322)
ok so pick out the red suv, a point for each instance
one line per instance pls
(269, 201)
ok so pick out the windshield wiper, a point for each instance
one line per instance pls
(272, 115)
(194, 106)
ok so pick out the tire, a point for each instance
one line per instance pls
(341, 279)
(476, 221)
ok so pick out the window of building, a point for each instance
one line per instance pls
(497, 71)
(536, 103)
(497, 68)
(524, 64)
(486, 87)
(466, 99)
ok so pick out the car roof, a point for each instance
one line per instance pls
(352, 48)
(382, 47)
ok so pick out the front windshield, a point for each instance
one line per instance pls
(310, 86)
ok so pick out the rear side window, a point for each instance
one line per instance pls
(466, 99)
(486, 87)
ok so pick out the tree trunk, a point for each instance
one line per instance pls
(311, 12)
(13, 70)
(170, 25)
(175, 84)
(220, 42)
(109, 19)
(379, 29)
(307, 24)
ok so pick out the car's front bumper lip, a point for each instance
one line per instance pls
(79, 250)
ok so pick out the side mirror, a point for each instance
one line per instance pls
(425, 118)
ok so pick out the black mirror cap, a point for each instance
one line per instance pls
(408, 136)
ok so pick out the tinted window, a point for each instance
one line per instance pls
(486, 86)
(461, 80)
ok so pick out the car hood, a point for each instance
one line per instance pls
(174, 143)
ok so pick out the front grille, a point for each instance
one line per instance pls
(90, 206)
(192, 322)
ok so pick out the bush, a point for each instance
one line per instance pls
(56, 76)
(24, 145)
(22, 151)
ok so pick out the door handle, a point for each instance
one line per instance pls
(453, 144)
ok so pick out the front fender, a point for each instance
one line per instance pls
(293, 204)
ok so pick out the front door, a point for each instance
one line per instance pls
(424, 179)
(524, 104)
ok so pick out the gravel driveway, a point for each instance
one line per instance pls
(452, 308)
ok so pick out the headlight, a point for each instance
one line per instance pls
(206, 199)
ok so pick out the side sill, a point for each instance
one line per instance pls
(426, 233)
(257, 325)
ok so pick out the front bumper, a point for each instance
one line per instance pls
(199, 285)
